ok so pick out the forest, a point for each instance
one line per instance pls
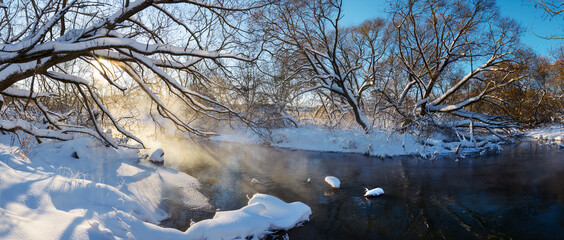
(455, 67)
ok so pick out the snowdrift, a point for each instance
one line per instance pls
(81, 189)
(550, 133)
(262, 215)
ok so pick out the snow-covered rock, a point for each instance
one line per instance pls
(373, 192)
(157, 156)
(255, 181)
(263, 214)
(333, 181)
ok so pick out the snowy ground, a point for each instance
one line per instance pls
(553, 134)
(80, 189)
(376, 143)
(549, 133)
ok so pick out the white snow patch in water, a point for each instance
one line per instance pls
(262, 215)
(374, 192)
(333, 181)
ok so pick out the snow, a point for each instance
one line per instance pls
(549, 133)
(333, 181)
(109, 193)
(262, 215)
(28, 127)
(157, 156)
(376, 143)
(106, 193)
(244, 136)
(22, 93)
(374, 192)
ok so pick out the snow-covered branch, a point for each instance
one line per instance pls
(431, 51)
(80, 33)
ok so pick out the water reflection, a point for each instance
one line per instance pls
(518, 194)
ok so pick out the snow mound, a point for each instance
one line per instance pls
(157, 156)
(333, 181)
(551, 133)
(374, 192)
(263, 214)
(106, 193)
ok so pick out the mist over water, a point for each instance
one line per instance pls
(517, 194)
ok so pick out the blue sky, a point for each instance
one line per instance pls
(533, 19)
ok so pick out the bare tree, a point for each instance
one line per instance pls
(554, 9)
(143, 41)
(439, 40)
(331, 57)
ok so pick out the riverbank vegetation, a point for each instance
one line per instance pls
(99, 68)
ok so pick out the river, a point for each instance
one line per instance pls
(518, 193)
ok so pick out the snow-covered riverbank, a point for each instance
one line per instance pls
(552, 134)
(548, 133)
(81, 189)
(380, 143)
(377, 143)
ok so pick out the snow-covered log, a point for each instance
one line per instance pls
(64, 134)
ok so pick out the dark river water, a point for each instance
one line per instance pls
(517, 194)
